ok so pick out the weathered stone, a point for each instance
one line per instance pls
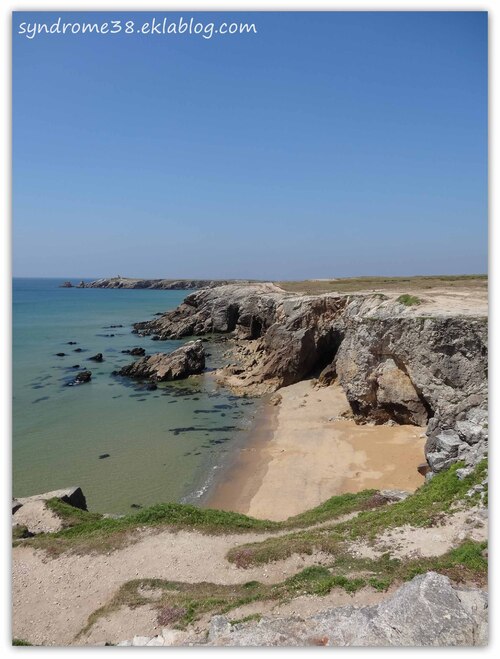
(156, 641)
(73, 496)
(140, 641)
(423, 468)
(392, 364)
(394, 495)
(428, 611)
(187, 360)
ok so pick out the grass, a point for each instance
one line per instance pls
(19, 641)
(424, 508)
(409, 300)
(180, 604)
(85, 532)
(357, 284)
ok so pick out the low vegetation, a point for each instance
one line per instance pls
(84, 531)
(424, 508)
(179, 604)
(409, 300)
(358, 284)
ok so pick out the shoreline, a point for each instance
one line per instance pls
(305, 450)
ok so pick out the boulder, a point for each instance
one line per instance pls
(97, 358)
(429, 611)
(187, 360)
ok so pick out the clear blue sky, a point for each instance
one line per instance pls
(327, 144)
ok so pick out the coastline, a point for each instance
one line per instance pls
(305, 450)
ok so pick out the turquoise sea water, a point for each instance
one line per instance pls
(163, 445)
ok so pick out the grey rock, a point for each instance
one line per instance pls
(140, 641)
(395, 495)
(428, 611)
(187, 360)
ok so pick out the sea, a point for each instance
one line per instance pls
(126, 446)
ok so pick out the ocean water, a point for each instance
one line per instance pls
(163, 445)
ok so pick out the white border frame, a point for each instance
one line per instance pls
(7, 6)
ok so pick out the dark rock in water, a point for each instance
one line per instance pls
(104, 455)
(72, 343)
(81, 378)
(138, 352)
(66, 284)
(135, 505)
(78, 350)
(187, 360)
(151, 387)
(97, 358)
(60, 354)
(76, 366)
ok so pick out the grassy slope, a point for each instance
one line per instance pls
(424, 508)
(179, 603)
(354, 284)
(92, 532)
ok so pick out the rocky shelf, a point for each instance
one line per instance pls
(424, 364)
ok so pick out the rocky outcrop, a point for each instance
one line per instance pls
(187, 360)
(157, 284)
(33, 514)
(428, 611)
(396, 364)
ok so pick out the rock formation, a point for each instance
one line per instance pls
(395, 363)
(187, 360)
(428, 611)
(162, 284)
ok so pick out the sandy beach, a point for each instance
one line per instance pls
(303, 451)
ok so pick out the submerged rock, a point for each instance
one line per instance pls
(139, 352)
(97, 358)
(187, 360)
(81, 378)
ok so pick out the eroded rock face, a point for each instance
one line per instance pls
(187, 360)
(428, 611)
(394, 364)
(419, 370)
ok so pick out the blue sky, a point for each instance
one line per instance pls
(327, 144)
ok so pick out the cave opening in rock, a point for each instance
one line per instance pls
(255, 327)
(327, 347)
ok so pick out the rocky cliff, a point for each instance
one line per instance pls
(418, 364)
(161, 284)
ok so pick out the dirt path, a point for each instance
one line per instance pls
(52, 598)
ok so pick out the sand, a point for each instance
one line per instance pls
(304, 452)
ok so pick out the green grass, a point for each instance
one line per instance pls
(182, 604)
(424, 508)
(19, 641)
(409, 300)
(85, 532)
(359, 284)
